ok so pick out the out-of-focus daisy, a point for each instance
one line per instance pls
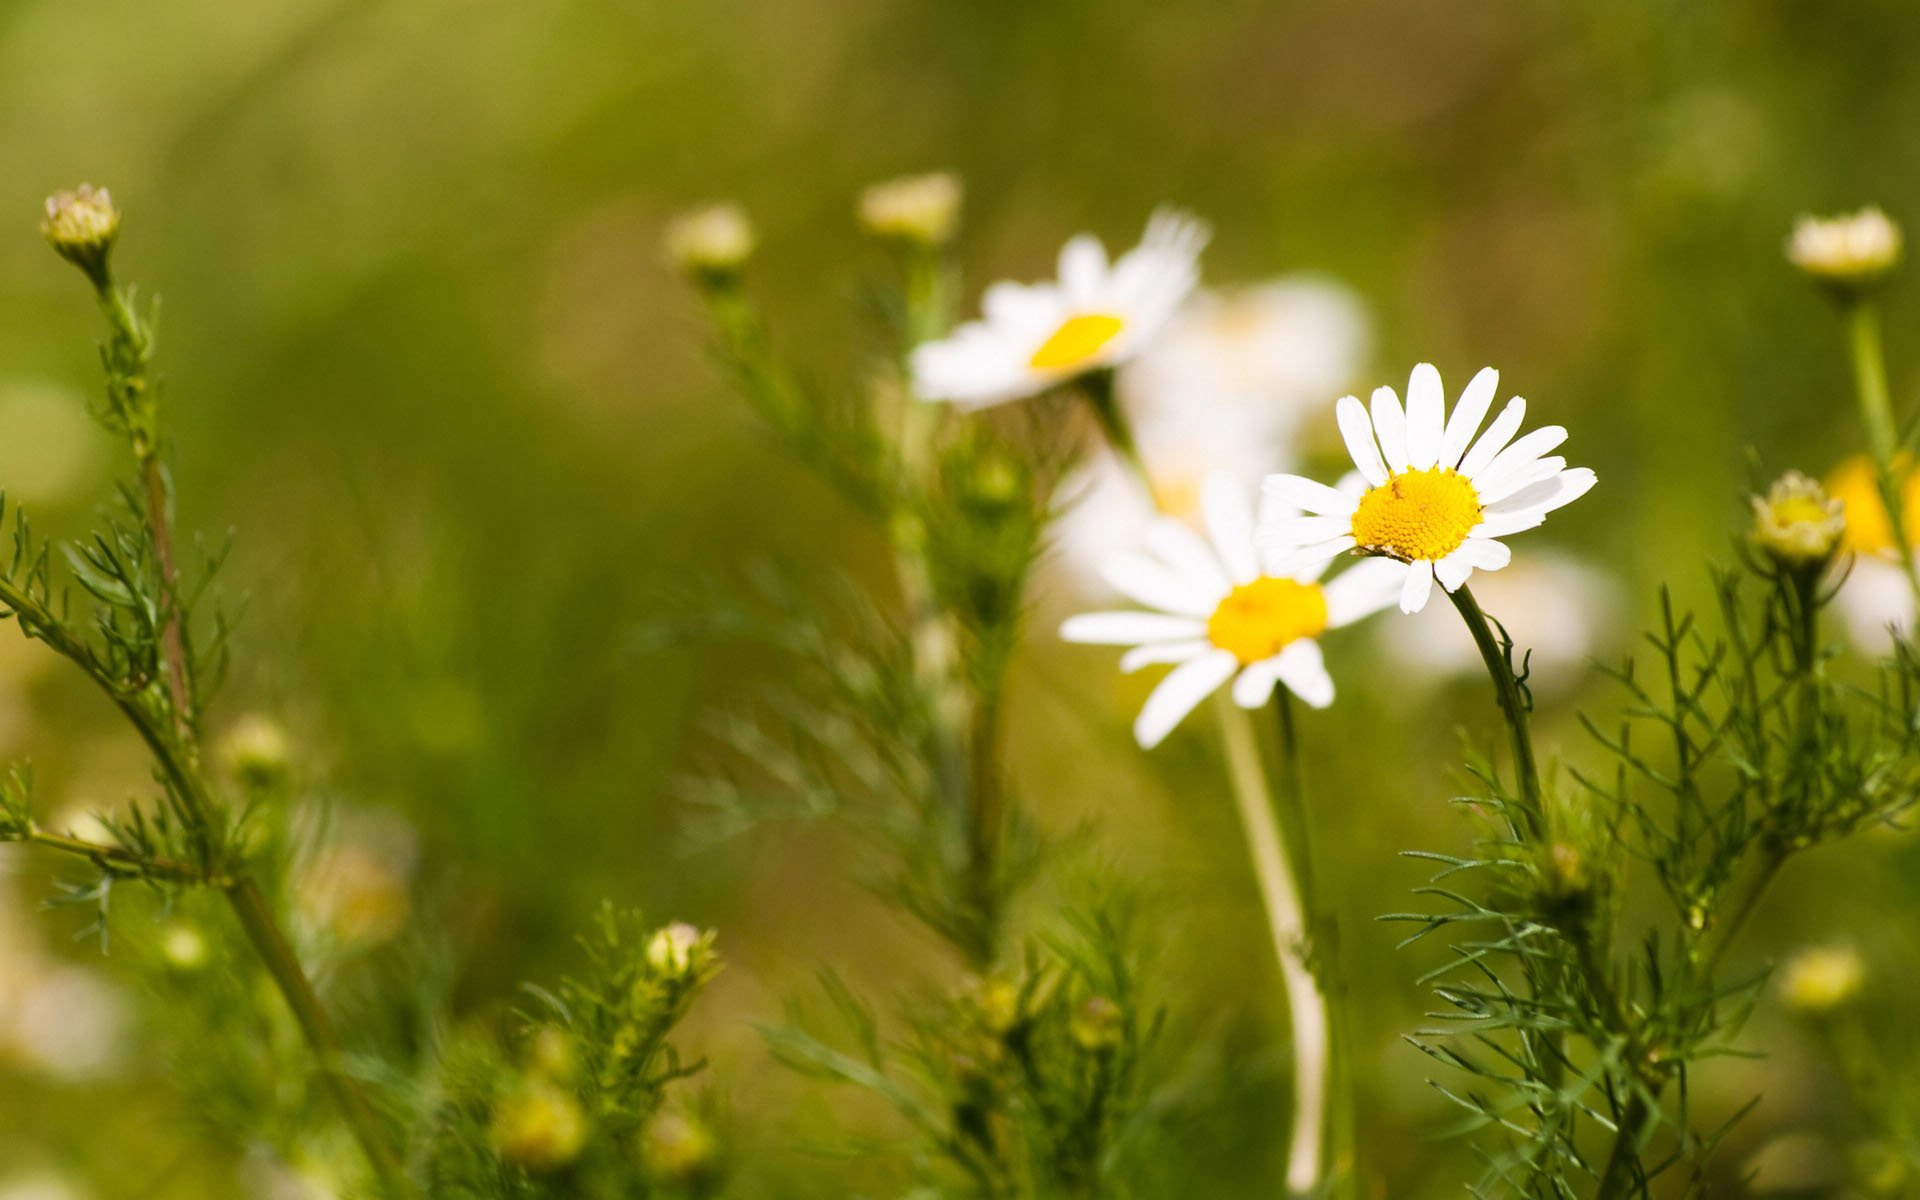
(1876, 600)
(1228, 386)
(1436, 498)
(1095, 315)
(1226, 611)
(1820, 979)
(1849, 250)
(1561, 610)
(357, 888)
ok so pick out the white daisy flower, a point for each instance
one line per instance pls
(1435, 498)
(1097, 314)
(1227, 611)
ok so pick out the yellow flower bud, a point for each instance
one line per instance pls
(677, 1149)
(711, 244)
(1797, 523)
(1821, 979)
(920, 209)
(81, 225)
(539, 1126)
(1850, 251)
(680, 951)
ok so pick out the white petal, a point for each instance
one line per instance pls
(1356, 429)
(1505, 524)
(1303, 531)
(1144, 581)
(1186, 552)
(1021, 307)
(1467, 415)
(1302, 668)
(1495, 439)
(1483, 554)
(1228, 513)
(1310, 494)
(1129, 628)
(1417, 587)
(1163, 652)
(1390, 427)
(1522, 452)
(1363, 589)
(1301, 557)
(1494, 489)
(1542, 498)
(1452, 571)
(1254, 686)
(1083, 268)
(1426, 415)
(1183, 688)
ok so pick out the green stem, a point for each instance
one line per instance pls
(1098, 389)
(1307, 998)
(250, 906)
(1513, 706)
(1621, 1176)
(1866, 351)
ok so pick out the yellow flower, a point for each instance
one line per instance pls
(1851, 250)
(539, 1126)
(1797, 522)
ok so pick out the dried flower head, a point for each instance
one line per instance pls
(917, 209)
(80, 225)
(711, 244)
(1850, 251)
(1797, 523)
(1821, 979)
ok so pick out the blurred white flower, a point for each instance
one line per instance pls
(1876, 597)
(1849, 249)
(68, 1022)
(357, 888)
(1228, 387)
(1557, 608)
(1097, 314)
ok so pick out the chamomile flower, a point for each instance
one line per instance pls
(1224, 610)
(1096, 314)
(1435, 498)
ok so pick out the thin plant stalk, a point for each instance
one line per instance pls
(1281, 898)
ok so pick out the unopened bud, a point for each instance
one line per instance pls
(920, 209)
(255, 750)
(1797, 523)
(1819, 980)
(679, 1150)
(80, 225)
(1852, 251)
(183, 946)
(680, 951)
(539, 1126)
(712, 244)
(1097, 1024)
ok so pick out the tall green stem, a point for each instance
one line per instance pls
(1867, 353)
(1307, 999)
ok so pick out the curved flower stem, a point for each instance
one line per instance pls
(1866, 351)
(1513, 706)
(1280, 894)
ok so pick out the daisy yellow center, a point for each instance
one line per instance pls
(1077, 340)
(1418, 515)
(1257, 620)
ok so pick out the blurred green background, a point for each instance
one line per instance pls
(423, 356)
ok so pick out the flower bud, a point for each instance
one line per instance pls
(1851, 252)
(1097, 1024)
(916, 209)
(1797, 523)
(680, 951)
(1819, 980)
(679, 1150)
(539, 1126)
(80, 225)
(183, 946)
(255, 750)
(711, 244)
(996, 1001)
